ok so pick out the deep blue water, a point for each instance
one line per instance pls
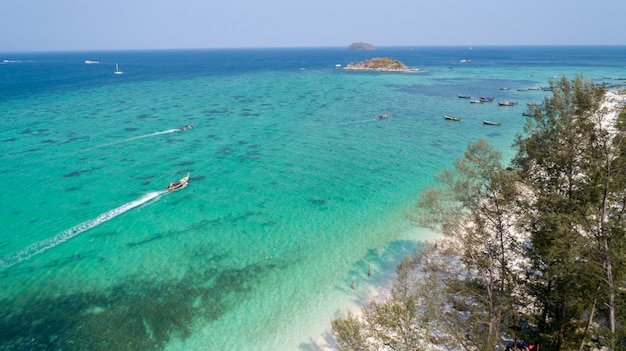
(66, 70)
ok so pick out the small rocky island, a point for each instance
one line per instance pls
(361, 46)
(384, 64)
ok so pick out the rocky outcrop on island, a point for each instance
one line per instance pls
(361, 46)
(385, 64)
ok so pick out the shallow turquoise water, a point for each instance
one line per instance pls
(296, 190)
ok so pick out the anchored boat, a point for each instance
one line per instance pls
(492, 123)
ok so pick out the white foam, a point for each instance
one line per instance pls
(58, 239)
(137, 137)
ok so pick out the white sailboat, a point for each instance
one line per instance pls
(117, 70)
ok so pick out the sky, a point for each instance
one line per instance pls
(80, 25)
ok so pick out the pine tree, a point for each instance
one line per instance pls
(473, 204)
(567, 158)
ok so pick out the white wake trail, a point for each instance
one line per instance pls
(138, 137)
(41, 246)
(355, 122)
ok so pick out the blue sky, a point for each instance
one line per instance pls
(61, 25)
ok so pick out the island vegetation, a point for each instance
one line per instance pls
(361, 46)
(385, 64)
(533, 251)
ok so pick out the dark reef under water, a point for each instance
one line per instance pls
(136, 315)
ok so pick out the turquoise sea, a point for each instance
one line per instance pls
(296, 188)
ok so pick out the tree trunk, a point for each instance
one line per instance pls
(592, 313)
(491, 305)
(611, 286)
(605, 251)
(562, 324)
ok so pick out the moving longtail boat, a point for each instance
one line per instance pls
(187, 127)
(452, 118)
(178, 184)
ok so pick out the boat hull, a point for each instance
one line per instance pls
(492, 123)
(179, 184)
(452, 118)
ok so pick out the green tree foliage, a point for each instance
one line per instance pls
(567, 158)
(478, 200)
(350, 334)
(606, 199)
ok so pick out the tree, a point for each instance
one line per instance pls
(567, 157)
(606, 196)
(473, 204)
(350, 334)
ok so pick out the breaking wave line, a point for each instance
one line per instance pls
(41, 246)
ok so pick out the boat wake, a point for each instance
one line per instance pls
(355, 122)
(41, 246)
(138, 137)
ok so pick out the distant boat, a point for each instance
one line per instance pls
(529, 114)
(117, 70)
(504, 88)
(477, 101)
(386, 115)
(463, 96)
(452, 118)
(492, 123)
(486, 99)
(187, 127)
(91, 62)
(507, 103)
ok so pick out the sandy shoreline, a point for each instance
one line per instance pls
(376, 290)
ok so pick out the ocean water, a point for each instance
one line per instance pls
(296, 188)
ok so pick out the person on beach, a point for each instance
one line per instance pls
(369, 272)
(353, 284)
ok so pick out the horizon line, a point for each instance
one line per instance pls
(308, 47)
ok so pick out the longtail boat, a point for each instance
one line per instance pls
(492, 123)
(178, 184)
